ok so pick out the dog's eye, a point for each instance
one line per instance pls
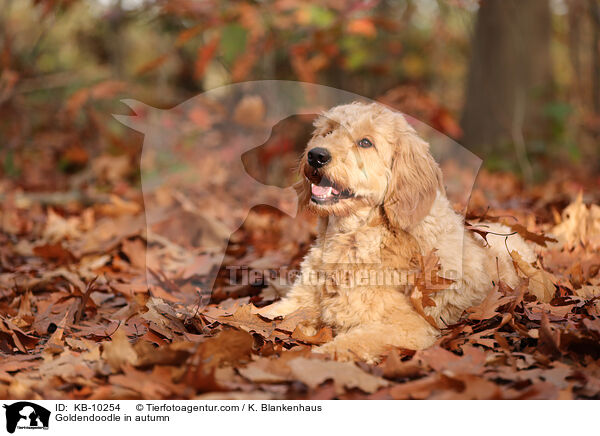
(365, 143)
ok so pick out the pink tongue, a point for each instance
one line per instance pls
(321, 190)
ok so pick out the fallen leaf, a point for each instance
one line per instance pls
(539, 239)
(290, 322)
(256, 374)
(344, 375)
(119, 352)
(541, 283)
(578, 223)
(228, 347)
(324, 335)
(489, 306)
(244, 319)
(54, 252)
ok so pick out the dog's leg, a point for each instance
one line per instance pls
(300, 297)
(369, 342)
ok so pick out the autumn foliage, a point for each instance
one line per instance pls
(77, 320)
(93, 305)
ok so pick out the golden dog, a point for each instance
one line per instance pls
(381, 201)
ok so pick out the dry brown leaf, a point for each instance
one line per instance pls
(588, 291)
(290, 322)
(344, 375)
(107, 234)
(228, 347)
(119, 352)
(244, 319)
(539, 239)
(470, 387)
(54, 252)
(427, 282)
(157, 384)
(421, 388)
(549, 337)
(256, 373)
(116, 206)
(58, 228)
(471, 362)
(324, 335)
(55, 343)
(578, 223)
(541, 283)
(429, 278)
(167, 354)
(394, 367)
(489, 306)
(163, 317)
(418, 300)
(10, 333)
(69, 367)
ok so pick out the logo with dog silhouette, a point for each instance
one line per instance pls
(25, 415)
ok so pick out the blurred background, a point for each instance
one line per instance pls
(516, 82)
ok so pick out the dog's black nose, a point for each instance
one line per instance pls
(319, 156)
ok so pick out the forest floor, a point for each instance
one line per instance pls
(78, 321)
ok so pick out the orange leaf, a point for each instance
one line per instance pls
(54, 252)
(324, 335)
(205, 55)
(243, 66)
(418, 301)
(152, 65)
(188, 34)
(362, 26)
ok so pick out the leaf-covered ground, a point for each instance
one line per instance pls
(78, 321)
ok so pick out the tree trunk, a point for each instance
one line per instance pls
(595, 14)
(510, 76)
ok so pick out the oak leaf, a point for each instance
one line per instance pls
(321, 337)
(345, 375)
(244, 319)
(427, 282)
(541, 283)
(119, 352)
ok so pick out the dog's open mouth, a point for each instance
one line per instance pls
(326, 191)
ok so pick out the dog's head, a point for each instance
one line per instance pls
(366, 155)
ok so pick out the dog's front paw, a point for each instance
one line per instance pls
(337, 353)
(345, 353)
(270, 312)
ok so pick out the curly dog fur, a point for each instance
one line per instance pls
(381, 202)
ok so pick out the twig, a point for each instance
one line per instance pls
(106, 335)
(58, 198)
(90, 287)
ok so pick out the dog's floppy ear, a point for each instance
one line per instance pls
(414, 180)
(302, 188)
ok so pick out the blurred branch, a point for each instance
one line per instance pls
(58, 198)
(49, 81)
